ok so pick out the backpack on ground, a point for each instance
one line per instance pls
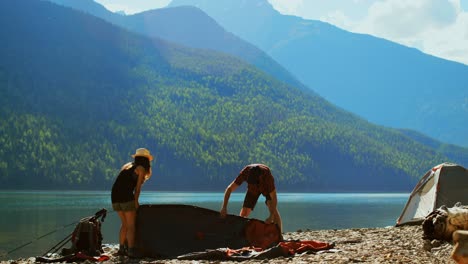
(87, 237)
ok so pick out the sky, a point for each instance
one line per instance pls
(436, 27)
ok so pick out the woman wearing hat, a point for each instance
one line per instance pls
(125, 193)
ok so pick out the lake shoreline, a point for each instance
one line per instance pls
(403, 244)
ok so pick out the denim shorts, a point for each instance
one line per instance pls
(127, 206)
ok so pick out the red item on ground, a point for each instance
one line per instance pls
(297, 247)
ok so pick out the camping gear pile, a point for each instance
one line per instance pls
(443, 222)
(166, 231)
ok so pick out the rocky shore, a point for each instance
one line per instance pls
(363, 245)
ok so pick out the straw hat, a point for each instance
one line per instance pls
(142, 152)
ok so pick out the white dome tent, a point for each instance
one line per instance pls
(445, 184)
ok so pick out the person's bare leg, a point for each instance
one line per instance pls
(276, 216)
(245, 212)
(130, 217)
(123, 228)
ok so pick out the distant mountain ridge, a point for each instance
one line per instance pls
(384, 82)
(78, 95)
(196, 30)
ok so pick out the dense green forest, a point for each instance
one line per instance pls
(79, 95)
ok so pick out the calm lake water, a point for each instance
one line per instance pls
(27, 216)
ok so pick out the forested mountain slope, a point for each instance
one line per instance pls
(78, 95)
(382, 81)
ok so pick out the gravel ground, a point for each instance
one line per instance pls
(363, 245)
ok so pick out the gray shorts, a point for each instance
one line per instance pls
(127, 206)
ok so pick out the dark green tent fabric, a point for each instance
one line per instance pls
(168, 230)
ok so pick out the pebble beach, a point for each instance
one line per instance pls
(403, 244)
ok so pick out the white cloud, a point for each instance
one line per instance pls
(437, 27)
(287, 7)
(451, 42)
(315, 9)
(290, 7)
(404, 19)
(133, 6)
(339, 19)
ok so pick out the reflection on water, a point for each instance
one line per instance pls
(30, 215)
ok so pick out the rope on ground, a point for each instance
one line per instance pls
(60, 244)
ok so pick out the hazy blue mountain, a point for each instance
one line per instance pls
(78, 95)
(382, 81)
(187, 26)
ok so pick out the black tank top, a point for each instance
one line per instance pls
(124, 186)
